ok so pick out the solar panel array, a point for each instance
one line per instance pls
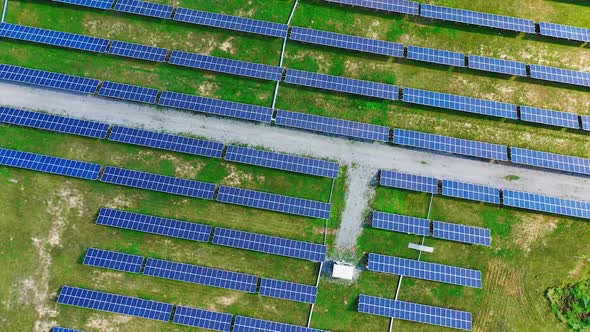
(401, 224)
(282, 161)
(395, 6)
(548, 204)
(138, 51)
(424, 270)
(560, 75)
(168, 142)
(462, 233)
(63, 329)
(288, 290)
(460, 103)
(549, 117)
(154, 225)
(347, 42)
(332, 126)
(551, 160)
(216, 106)
(128, 92)
(274, 202)
(415, 312)
(565, 32)
(235, 23)
(201, 275)
(269, 244)
(100, 4)
(48, 79)
(113, 260)
(408, 181)
(85, 298)
(450, 145)
(205, 319)
(495, 65)
(585, 122)
(342, 84)
(436, 56)
(53, 123)
(145, 8)
(474, 192)
(248, 324)
(157, 182)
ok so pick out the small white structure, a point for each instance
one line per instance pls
(420, 247)
(343, 271)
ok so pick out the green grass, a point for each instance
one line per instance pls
(571, 304)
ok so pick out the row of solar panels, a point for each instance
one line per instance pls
(166, 312)
(487, 194)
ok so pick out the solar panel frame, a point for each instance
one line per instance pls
(113, 260)
(48, 79)
(128, 92)
(496, 65)
(400, 223)
(585, 122)
(543, 203)
(407, 181)
(560, 75)
(201, 318)
(470, 191)
(432, 55)
(249, 324)
(461, 233)
(549, 160)
(288, 290)
(99, 4)
(138, 51)
(565, 32)
(145, 8)
(549, 117)
(393, 6)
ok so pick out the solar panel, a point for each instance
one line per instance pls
(201, 275)
(450, 145)
(478, 18)
(53, 123)
(168, 142)
(436, 56)
(63, 329)
(415, 312)
(395, 6)
(205, 319)
(145, 8)
(235, 23)
(274, 202)
(226, 66)
(462, 233)
(460, 103)
(585, 122)
(269, 244)
(157, 182)
(474, 192)
(401, 224)
(128, 92)
(138, 51)
(342, 84)
(248, 324)
(332, 126)
(51, 37)
(288, 290)
(216, 107)
(100, 4)
(560, 75)
(132, 306)
(347, 42)
(495, 65)
(282, 161)
(535, 202)
(408, 181)
(48, 79)
(549, 117)
(565, 32)
(113, 260)
(550, 160)
(48, 164)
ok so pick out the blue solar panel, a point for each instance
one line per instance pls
(288, 290)
(551, 160)
(461, 233)
(342, 84)
(128, 92)
(235, 23)
(408, 181)
(248, 324)
(113, 260)
(157, 182)
(450, 145)
(216, 107)
(498, 65)
(415, 312)
(48, 79)
(401, 224)
(51, 37)
(48, 164)
(549, 117)
(63, 329)
(274, 202)
(154, 225)
(565, 32)
(560, 75)
(474, 192)
(168, 142)
(394, 6)
(145, 8)
(424, 270)
(120, 304)
(535, 202)
(282, 161)
(201, 275)
(333, 126)
(436, 56)
(205, 319)
(347, 42)
(53, 123)
(138, 51)
(100, 4)
(478, 18)
(585, 122)
(226, 66)
(269, 244)
(460, 103)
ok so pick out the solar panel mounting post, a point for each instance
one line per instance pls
(4, 10)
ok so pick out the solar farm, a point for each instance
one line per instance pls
(211, 165)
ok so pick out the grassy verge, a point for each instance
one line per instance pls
(570, 304)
